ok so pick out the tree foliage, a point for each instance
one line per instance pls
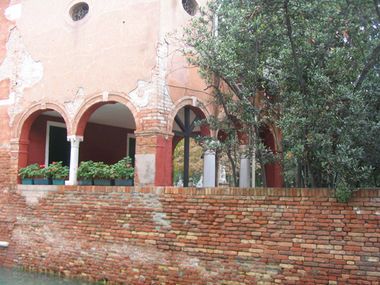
(316, 67)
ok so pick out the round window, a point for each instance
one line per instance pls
(79, 11)
(190, 6)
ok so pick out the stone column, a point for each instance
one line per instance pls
(253, 171)
(244, 177)
(209, 170)
(74, 159)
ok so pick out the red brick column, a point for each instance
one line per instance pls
(154, 161)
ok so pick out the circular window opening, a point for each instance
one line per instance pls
(190, 6)
(79, 11)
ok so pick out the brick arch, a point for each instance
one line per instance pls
(23, 124)
(26, 119)
(242, 136)
(95, 102)
(186, 101)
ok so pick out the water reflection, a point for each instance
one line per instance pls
(18, 277)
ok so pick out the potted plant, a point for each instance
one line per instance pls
(57, 172)
(28, 173)
(85, 172)
(122, 172)
(40, 176)
(102, 174)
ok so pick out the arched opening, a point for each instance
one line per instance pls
(260, 169)
(195, 163)
(185, 128)
(43, 139)
(273, 171)
(108, 133)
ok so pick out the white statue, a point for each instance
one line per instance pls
(180, 182)
(222, 175)
(200, 182)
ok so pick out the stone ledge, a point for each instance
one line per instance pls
(192, 191)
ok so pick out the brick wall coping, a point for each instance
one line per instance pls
(221, 191)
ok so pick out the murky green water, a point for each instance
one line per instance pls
(18, 277)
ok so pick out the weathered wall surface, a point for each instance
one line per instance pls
(111, 55)
(4, 87)
(185, 236)
(111, 51)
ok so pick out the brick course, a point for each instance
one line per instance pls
(189, 236)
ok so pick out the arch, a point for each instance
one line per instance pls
(186, 129)
(242, 136)
(26, 119)
(95, 102)
(23, 125)
(186, 101)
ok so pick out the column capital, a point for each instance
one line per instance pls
(243, 147)
(75, 139)
(209, 152)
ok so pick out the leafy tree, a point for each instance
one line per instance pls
(315, 67)
(225, 43)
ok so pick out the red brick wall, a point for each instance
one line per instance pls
(4, 168)
(188, 236)
(5, 203)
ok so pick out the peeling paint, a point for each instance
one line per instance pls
(73, 106)
(154, 94)
(140, 96)
(145, 166)
(13, 12)
(33, 197)
(22, 71)
(11, 100)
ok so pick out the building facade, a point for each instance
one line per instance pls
(97, 80)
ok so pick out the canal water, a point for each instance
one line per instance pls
(18, 277)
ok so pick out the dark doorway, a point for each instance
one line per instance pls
(59, 147)
(132, 149)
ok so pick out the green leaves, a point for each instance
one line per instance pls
(318, 63)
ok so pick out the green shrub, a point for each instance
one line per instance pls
(86, 170)
(101, 170)
(122, 169)
(33, 171)
(57, 170)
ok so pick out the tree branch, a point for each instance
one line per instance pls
(377, 3)
(371, 62)
(289, 33)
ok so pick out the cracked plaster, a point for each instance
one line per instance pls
(13, 12)
(73, 106)
(22, 71)
(143, 95)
